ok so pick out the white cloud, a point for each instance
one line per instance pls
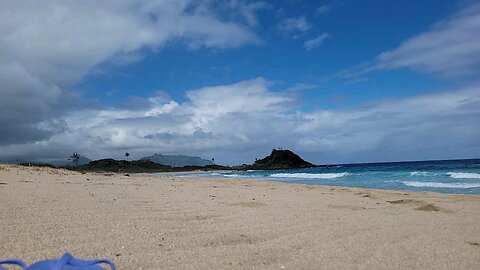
(247, 96)
(47, 47)
(323, 9)
(247, 10)
(315, 42)
(238, 122)
(451, 48)
(294, 24)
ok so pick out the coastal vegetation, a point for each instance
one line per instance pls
(278, 159)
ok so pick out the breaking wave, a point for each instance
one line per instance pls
(309, 175)
(416, 173)
(442, 185)
(234, 175)
(461, 175)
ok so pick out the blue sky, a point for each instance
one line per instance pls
(336, 81)
(357, 33)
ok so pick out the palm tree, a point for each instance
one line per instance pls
(127, 155)
(75, 157)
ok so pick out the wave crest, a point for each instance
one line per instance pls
(417, 173)
(235, 175)
(309, 175)
(461, 175)
(441, 185)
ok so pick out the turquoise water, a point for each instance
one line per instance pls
(459, 176)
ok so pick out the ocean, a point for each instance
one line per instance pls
(453, 176)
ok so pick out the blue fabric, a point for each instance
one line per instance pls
(13, 262)
(66, 262)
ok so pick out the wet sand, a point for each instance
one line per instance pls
(146, 222)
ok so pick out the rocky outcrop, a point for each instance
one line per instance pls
(281, 159)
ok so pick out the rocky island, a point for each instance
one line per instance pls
(280, 159)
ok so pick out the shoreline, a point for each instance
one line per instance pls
(167, 174)
(307, 185)
(169, 222)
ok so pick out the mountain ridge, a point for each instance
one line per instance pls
(178, 160)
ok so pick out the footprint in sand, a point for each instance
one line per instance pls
(247, 204)
(428, 207)
(365, 195)
(347, 207)
(421, 205)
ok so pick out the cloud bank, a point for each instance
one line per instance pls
(451, 48)
(238, 122)
(46, 48)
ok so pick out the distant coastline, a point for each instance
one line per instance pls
(271, 162)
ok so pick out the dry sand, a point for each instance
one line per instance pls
(145, 222)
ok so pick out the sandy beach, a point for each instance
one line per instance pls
(146, 222)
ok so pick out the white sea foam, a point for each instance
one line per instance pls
(464, 175)
(442, 185)
(417, 173)
(309, 175)
(236, 175)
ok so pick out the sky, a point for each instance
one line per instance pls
(335, 81)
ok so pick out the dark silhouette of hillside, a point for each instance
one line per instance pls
(178, 160)
(281, 159)
(138, 166)
(278, 159)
